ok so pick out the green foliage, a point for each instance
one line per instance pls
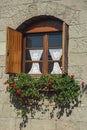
(26, 90)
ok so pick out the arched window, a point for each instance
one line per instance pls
(40, 47)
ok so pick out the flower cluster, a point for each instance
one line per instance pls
(72, 75)
(82, 83)
(26, 90)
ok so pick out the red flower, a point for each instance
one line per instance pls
(72, 76)
(14, 85)
(82, 83)
(20, 96)
(18, 91)
(49, 83)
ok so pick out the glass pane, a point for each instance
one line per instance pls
(49, 56)
(50, 67)
(28, 67)
(55, 39)
(34, 41)
(28, 56)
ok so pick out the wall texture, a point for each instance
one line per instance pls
(74, 13)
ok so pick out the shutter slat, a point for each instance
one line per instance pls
(65, 49)
(14, 51)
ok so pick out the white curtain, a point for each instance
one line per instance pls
(35, 56)
(56, 55)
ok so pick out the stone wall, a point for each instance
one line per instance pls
(74, 13)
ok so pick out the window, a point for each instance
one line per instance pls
(41, 53)
(41, 49)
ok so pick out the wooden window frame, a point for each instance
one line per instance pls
(16, 37)
(45, 47)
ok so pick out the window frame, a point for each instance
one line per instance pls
(45, 48)
(11, 34)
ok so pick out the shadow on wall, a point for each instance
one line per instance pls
(54, 112)
(44, 108)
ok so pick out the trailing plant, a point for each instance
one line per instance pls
(26, 91)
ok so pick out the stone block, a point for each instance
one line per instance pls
(4, 97)
(3, 77)
(9, 111)
(76, 70)
(83, 16)
(66, 125)
(82, 125)
(42, 8)
(1, 108)
(13, 112)
(84, 100)
(77, 31)
(43, 124)
(78, 45)
(10, 11)
(2, 85)
(84, 73)
(75, 4)
(16, 2)
(32, 10)
(79, 114)
(0, 72)
(7, 124)
(71, 16)
(23, 15)
(6, 22)
(75, 18)
(2, 48)
(78, 59)
(51, 8)
(2, 36)
(79, 4)
(2, 60)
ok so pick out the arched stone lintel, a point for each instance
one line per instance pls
(62, 12)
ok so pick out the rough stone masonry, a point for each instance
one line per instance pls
(74, 13)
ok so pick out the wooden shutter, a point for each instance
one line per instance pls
(14, 51)
(65, 49)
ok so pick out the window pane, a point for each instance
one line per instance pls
(28, 57)
(54, 67)
(50, 67)
(55, 39)
(56, 55)
(34, 41)
(28, 67)
(49, 56)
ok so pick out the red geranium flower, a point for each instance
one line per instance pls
(20, 96)
(18, 91)
(82, 83)
(49, 83)
(72, 76)
(14, 85)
